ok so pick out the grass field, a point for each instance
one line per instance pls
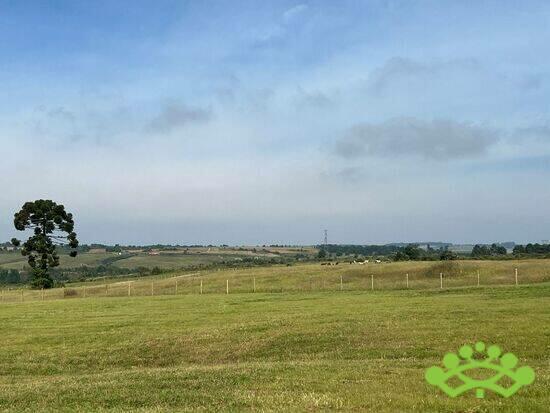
(164, 259)
(304, 278)
(308, 351)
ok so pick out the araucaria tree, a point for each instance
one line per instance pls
(52, 226)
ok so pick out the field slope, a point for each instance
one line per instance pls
(303, 351)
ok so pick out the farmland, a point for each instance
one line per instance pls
(296, 351)
(300, 337)
(164, 259)
(304, 277)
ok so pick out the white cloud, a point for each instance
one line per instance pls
(294, 12)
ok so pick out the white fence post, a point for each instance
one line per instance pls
(516, 276)
(407, 280)
(152, 288)
(441, 280)
(176, 287)
(254, 284)
(341, 283)
(372, 281)
(478, 278)
(227, 286)
(201, 286)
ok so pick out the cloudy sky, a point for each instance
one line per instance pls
(247, 122)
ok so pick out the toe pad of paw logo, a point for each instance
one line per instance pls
(505, 378)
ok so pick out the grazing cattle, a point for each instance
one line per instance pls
(378, 261)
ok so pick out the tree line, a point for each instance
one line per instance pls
(413, 252)
(532, 249)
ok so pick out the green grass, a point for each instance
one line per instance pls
(307, 278)
(14, 260)
(303, 351)
(165, 260)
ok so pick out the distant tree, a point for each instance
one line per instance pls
(115, 248)
(480, 251)
(400, 256)
(498, 249)
(51, 226)
(413, 251)
(519, 249)
(447, 255)
(10, 277)
(532, 249)
(322, 254)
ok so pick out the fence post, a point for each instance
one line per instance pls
(201, 286)
(341, 282)
(478, 278)
(441, 280)
(84, 291)
(407, 280)
(227, 286)
(152, 288)
(42, 294)
(176, 287)
(372, 282)
(516, 277)
(254, 284)
(129, 288)
(21, 295)
(106, 290)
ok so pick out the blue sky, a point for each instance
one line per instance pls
(251, 122)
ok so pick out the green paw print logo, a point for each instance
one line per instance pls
(501, 367)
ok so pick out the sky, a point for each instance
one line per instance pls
(248, 122)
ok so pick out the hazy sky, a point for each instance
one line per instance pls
(266, 122)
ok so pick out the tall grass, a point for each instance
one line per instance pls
(305, 278)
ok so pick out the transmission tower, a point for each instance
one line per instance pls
(326, 237)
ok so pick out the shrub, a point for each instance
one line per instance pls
(69, 292)
(448, 268)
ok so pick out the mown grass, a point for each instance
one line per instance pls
(303, 351)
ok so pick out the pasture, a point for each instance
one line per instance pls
(165, 259)
(310, 277)
(303, 342)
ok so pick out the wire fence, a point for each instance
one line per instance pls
(216, 283)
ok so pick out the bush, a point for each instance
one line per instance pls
(69, 292)
(157, 271)
(448, 268)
